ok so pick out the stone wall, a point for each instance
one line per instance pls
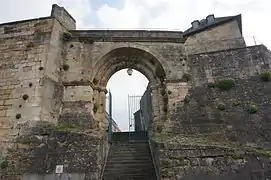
(213, 133)
(47, 146)
(191, 159)
(225, 36)
(24, 47)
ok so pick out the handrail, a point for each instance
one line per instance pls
(105, 161)
(153, 160)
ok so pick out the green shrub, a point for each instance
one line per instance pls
(253, 108)
(225, 84)
(66, 36)
(186, 99)
(221, 107)
(4, 164)
(211, 85)
(266, 76)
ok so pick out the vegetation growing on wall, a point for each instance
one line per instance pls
(266, 76)
(66, 36)
(253, 108)
(186, 99)
(221, 106)
(236, 102)
(223, 84)
(18, 116)
(3, 164)
(66, 127)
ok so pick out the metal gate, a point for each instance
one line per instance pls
(110, 119)
(133, 106)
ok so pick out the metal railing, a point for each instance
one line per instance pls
(133, 106)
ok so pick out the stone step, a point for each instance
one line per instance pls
(129, 170)
(129, 164)
(134, 143)
(138, 146)
(129, 158)
(129, 151)
(130, 177)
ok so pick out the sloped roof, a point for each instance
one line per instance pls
(217, 21)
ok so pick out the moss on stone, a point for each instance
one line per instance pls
(236, 102)
(167, 163)
(257, 152)
(66, 127)
(179, 158)
(237, 156)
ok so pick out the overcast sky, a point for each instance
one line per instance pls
(144, 14)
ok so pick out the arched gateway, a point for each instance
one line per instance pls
(210, 100)
(135, 58)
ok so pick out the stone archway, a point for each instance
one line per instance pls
(138, 59)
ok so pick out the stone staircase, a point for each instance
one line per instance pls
(129, 158)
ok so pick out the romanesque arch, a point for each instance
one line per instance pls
(128, 57)
(135, 58)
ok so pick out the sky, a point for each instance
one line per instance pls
(144, 14)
